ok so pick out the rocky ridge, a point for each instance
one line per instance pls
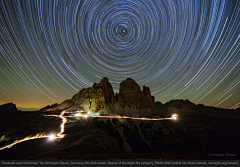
(130, 101)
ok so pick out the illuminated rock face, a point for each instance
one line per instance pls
(101, 95)
(96, 97)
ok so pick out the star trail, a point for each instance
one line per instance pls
(182, 49)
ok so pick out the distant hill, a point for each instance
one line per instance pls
(8, 108)
(27, 109)
(180, 106)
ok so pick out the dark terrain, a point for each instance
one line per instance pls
(199, 132)
(192, 136)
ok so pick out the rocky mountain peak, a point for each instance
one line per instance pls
(101, 96)
(95, 97)
(108, 90)
(129, 85)
(147, 93)
(131, 94)
(104, 81)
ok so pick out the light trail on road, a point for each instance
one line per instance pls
(143, 119)
(64, 120)
(20, 141)
(39, 135)
(174, 117)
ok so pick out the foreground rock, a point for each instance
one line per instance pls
(8, 108)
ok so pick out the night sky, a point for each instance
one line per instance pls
(49, 50)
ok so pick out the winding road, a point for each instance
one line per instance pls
(77, 114)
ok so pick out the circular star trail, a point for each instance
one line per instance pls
(182, 49)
